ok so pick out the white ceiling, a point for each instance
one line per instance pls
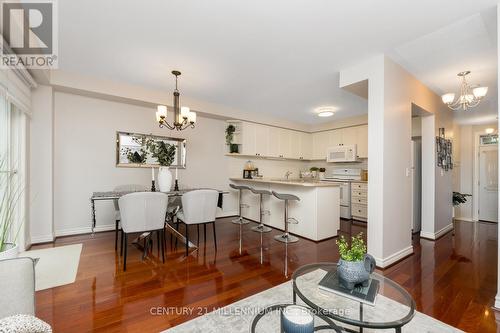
(280, 57)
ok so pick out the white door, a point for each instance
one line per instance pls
(488, 183)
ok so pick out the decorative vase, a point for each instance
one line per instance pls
(352, 273)
(164, 179)
(296, 319)
(11, 251)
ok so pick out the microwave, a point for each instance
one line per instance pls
(342, 153)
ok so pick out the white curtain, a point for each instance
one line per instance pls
(13, 166)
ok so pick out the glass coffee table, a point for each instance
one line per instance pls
(394, 307)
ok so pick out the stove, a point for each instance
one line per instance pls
(344, 177)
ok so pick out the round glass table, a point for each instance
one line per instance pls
(268, 320)
(393, 307)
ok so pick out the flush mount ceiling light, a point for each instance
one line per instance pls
(183, 117)
(470, 97)
(489, 130)
(325, 112)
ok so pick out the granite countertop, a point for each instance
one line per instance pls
(291, 182)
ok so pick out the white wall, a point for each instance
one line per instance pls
(392, 91)
(41, 165)
(84, 158)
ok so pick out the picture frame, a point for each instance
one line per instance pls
(131, 150)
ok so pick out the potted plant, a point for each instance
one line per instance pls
(459, 198)
(322, 173)
(355, 265)
(233, 148)
(314, 171)
(165, 155)
(9, 199)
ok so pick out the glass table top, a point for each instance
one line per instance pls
(394, 306)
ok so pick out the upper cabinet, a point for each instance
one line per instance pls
(357, 135)
(269, 141)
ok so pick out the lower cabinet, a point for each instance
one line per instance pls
(359, 201)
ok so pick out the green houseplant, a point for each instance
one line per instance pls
(164, 153)
(355, 265)
(459, 198)
(230, 129)
(10, 194)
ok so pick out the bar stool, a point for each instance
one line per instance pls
(240, 188)
(261, 227)
(286, 237)
(240, 220)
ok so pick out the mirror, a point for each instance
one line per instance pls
(132, 150)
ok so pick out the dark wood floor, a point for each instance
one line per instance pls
(452, 279)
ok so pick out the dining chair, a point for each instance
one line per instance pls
(199, 207)
(143, 212)
(124, 188)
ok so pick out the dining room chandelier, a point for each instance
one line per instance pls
(183, 116)
(470, 96)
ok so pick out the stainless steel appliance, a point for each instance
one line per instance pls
(344, 177)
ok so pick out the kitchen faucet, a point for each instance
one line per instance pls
(287, 174)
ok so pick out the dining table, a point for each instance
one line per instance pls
(115, 195)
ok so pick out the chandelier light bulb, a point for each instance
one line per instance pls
(448, 98)
(489, 130)
(480, 92)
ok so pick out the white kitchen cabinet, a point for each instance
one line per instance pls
(248, 142)
(362, 140)
(296, 148)
(261, 140)
(273, 149)
(285, 143)
(334, 138)
(305, 146)
(320, 145)
(349, 136)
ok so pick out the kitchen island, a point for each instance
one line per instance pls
(317, 212)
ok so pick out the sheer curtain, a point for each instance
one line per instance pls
(13, 167)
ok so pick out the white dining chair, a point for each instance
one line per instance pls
(124, 188)
(143, 212)
(199, 207)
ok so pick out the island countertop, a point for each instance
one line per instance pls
(291, 182)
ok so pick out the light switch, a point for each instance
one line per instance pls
(407, 172)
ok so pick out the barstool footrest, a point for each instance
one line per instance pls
(286, 238)
(292, 220)
(240, 220)
(261, 228)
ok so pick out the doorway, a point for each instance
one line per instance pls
(488, 178)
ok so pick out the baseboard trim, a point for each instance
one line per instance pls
(497, 302)
(395, 257)
(437, 234)
(41, 239)
(465, 219)
(84, 230)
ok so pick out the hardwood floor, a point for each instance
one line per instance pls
(452, 279)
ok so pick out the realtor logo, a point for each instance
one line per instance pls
(30, 31)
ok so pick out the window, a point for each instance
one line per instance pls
(489, 139)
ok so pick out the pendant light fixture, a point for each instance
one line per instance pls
(470, 97)
(183, 117)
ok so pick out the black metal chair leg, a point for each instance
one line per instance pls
(198, 235)
(116, 234)
(125, 254)
(121, 244)
(158, 241)
(215, 236)
(205, 232)
(162, 236)
(187, 240)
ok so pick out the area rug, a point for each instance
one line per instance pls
(238, 317)
(56, 266)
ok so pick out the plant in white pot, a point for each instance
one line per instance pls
(165, 155)
(9, 198)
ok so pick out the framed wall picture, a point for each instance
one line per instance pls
(132, 150)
